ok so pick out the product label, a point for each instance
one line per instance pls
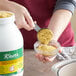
(11, 62)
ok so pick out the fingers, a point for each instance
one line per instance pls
(50, 59)
(21, 23)
(26, 25)
(29, 19)
(44, 59)
(23, 18)
(40, 57)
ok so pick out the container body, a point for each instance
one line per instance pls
(11, 48)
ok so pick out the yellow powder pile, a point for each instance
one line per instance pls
(47, 50)
(5, 14)
(44, 36)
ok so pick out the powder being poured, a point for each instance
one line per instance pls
(45, 36)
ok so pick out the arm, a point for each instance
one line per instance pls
(59, 22)
(61, 17)
(23, 18)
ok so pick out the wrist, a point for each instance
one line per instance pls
(55, 36)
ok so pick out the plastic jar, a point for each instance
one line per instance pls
(11, 47)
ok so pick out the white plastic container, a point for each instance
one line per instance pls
(11, 48)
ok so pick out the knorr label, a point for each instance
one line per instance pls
(11, 62)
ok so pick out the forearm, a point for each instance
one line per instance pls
(59, 22)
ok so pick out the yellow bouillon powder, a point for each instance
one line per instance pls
(47, 50)
(5, 14)
(45, 36)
